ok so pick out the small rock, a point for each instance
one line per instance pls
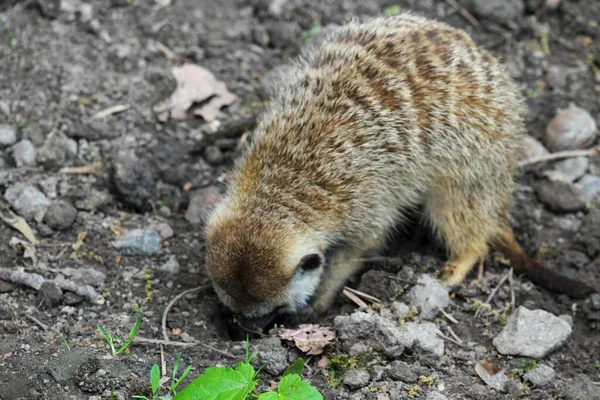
(272, 352)
(68, 310)
(568, 170)
(435, 396)
(56, 151)
(541, 375)
(358, 349)
(532, 334)
(213, 155)
(284, 34)
(581, 388)
(590, 185)
(24, 153)
(171, 266)
(423, 336)
(138, 242)
(163, 229)
(400, 309)
(5, 287)
(560, 196)
(135, 180)
(8, 135)
(71, 299)
(260, 35)
(403, 372)
(276, 7)
(380, 372)
(88, 276)
(49, 186)
(93, 200)
(428, 295)
(595, 299)
(60, 215)
(201, 201)
(533, 148)
(50, 294)
(356, 379)
(27, 201)
(379, 333)
(572, 128)
(500, 11)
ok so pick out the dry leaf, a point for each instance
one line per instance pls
(195, 84)
(311, 339)
(17, 222)
(492, 374)
(23, 247)
(323, 362)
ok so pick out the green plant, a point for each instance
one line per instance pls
(12, 41)
(392, 10)
(63, 339)
(154, 383)
(162, 204)
(108, 337)
(597, 364)
(527, 365)
(239, 383)
(316, 28)
(175, 382)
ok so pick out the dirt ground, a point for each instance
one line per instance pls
(63, 61)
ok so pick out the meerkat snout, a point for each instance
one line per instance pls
(261, 270)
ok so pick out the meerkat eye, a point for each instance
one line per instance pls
(310, 262)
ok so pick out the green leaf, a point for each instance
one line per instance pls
(393, 10)
(176, 367)
(295, 368)
(154, 378)
(292, 387)
(220, 384)
(246, 369)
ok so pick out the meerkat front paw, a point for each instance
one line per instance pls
(450, 276)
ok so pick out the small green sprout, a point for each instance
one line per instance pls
(155, 384)
(63, 339)
(392, 10)
(175, 382)
(316, 28)
(108, 337)
(527, 365)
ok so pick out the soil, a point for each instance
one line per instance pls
(61, 62)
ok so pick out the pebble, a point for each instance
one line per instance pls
(532, 333)
(284, 34)
(138, 242)
(581, 388)
(201, 201)
(424, 337)
(213, 155)
(88, 276)
(435, 396)
(572, 128)
(568, 170)
(590, 185)
(560, 196)
(380, 372)
(72, 299)
(135, 180)
(401, 371)
(93, 200)
(171, 266)
(428, 295)
(271, 351)
(27, 201)
(595, 299)
(56, 151)
(400, 309)
(163, 229)
(533, 148)
(24, 153)
(50, 294)
(8, 135)
(500, 11)
(541, 375)
(356, 379)
(60, 215)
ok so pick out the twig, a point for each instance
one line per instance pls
(464, 13)
(141, 340)
(238, 323)
(171, 304)
(450, 317)
(480, 270)
(449, 339)
(85, 169)
(562, 154)
(168, 53)
(491, 296)
(369, 259)
(512, 289)
(363, 295)
(359, 302)
(37, 322)
(397, 278)
(111, 110)
(229, 130)
(454, 335)
(163, 362)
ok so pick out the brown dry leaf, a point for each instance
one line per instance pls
(323, 362)
(309, 338)
(492, 374)
(195, 84)
(25, 248)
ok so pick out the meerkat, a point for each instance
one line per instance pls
(379, 117)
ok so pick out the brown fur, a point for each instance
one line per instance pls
(381, 116)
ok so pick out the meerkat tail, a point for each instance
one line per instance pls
(536, 272)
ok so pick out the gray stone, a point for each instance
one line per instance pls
(595, 300)
(501, 11)
(27, 201)
(88, 276)
(138, 242)
(284, 34)
(60, 215)
(56, 151)
(380, 372)
(24, 153)
(561, 196)
(581, 388)
(428, 295)
(93, 200)
(171, 266)
(358, 349)
(50, 294)
(201, 201)
(72, 299)
(532, 333)
(135, 180)
(8, 135)
(423, 336)
(541, 375)
(356, 379)
(590, 185)
(435, 396)
(213, 155)
(274, 356)
(403, 372)
(568, 170)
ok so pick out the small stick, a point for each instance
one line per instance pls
(449, 339)
(491, 296)
(141, 340)
(464, 13)
(229, 130)
(359, 302)
(480, 270)
(37, 322)
(369, 259)
(562, 154)
(454, 335)
(168, 53)
(512, 290)
(450, 317)
(363, 295)
(111, 110)
(85, 169)
(163, 362)
(171, 304)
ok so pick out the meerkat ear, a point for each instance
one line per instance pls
(310, 262)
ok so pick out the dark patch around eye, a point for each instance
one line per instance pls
(310, 262)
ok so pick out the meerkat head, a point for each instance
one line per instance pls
(259, 265)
